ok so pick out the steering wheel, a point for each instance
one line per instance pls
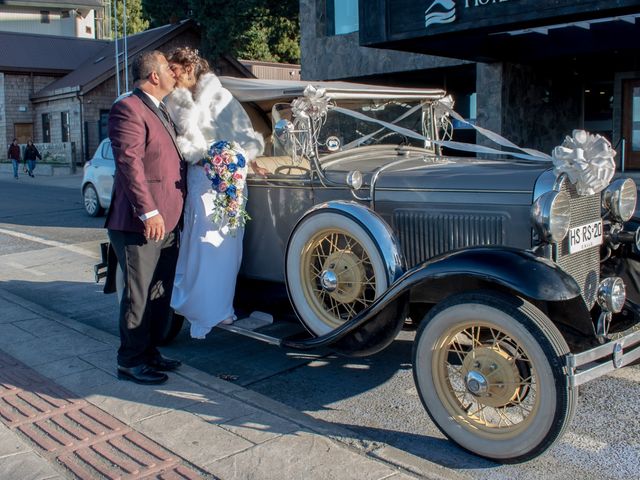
(289, 168)
(404, 141)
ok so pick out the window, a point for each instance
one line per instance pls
(46, 128)
(64, 125)
(342, 16)
(103, 126)
(598, 108)
(44, 16)
(107, 152)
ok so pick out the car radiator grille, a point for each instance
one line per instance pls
(424, 235)
(583, 266)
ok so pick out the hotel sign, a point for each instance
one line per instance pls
(398, 23)
(444, 11)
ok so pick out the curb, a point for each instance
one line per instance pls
(405, 464)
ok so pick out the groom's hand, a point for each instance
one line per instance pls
(154, 228)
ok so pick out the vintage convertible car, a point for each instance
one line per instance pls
(512, 265)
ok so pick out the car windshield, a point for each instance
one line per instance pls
(357, 123)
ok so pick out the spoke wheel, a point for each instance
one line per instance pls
(339, 277)
(488, 371)
(339, 260)
(334, 271)
(482, 384)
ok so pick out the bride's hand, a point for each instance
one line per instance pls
(257, 169)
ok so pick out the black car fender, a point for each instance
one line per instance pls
(507, 269)
(519, 271)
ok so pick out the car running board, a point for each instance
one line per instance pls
(248, 326)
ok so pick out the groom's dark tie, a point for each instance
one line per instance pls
(165, 113)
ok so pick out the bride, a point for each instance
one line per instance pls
(204, 112)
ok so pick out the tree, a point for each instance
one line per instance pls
(136, 20)
(161, 12)
(251, 29)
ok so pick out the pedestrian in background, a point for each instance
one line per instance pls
(30, 155)
(14, 155)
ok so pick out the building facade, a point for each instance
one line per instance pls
(59, 92)
(81, 19)
(531, 70)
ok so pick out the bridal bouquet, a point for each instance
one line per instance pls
(226, 166)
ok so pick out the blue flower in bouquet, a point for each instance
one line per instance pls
(218, 147)
(225, 167)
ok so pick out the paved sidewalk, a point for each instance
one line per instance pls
(64, 414)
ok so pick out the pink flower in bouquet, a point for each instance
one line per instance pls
(217, 160)
(220, 169)
(226, 158)
(238, 176)
(232, 205)
(223, 187)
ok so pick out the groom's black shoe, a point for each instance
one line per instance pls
(143, 374)
(164, 364)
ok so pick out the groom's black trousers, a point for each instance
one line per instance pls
(148, 269)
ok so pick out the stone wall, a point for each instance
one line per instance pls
(341, 56)
(530, 106)
(18, 108)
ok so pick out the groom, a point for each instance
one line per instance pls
(147, 203)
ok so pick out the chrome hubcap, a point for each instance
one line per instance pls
(476, 383)
(329, 280)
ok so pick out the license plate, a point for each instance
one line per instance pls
(585, 236)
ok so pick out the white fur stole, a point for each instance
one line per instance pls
(211, 114)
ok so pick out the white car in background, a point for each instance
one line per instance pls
(97, 181)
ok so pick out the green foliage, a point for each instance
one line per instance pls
(136, 20)
(249, 29)
(162, 12)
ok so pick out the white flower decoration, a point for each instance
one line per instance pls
(314, 104)
(587, 160)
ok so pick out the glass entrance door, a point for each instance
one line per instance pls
(631, 123)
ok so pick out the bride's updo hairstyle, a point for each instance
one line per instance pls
(186, 56)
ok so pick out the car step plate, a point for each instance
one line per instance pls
(247, 326)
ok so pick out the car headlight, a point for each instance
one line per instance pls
(611, 294)
(620, 199)
(354, 179)
(551, 214)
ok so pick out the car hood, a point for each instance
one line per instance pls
(420, 172)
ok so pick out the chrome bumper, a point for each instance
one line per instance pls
(586, 366)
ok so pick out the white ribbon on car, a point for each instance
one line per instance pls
(588, 161)
(528, 154)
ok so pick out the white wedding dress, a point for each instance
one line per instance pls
(208, 262)
(210, 255)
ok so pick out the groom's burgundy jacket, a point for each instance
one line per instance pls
(150, 172)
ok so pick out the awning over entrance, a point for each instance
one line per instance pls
(503, 30)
